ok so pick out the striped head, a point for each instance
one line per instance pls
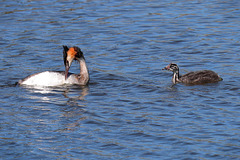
(172, 67)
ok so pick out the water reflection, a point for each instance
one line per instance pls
(84, 92)
(48, 94)
(66, 112)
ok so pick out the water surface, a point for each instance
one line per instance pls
(130, 109)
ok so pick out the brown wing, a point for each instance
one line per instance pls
(200, 77)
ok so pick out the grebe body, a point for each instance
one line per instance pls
(56, 78)
(197, 77)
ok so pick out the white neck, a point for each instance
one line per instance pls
(84, 70)
(175, 77)
(83, 66)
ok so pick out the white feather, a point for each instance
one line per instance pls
(46, 78)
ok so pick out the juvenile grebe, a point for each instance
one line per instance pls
(198, 77)
(55, 78)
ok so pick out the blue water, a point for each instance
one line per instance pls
(130, 110)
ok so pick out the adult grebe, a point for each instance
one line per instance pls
(198, 77)
(55, 78)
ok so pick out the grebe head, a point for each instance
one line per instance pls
(70, 54)
(171, 67)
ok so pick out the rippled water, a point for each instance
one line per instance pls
(129, 110)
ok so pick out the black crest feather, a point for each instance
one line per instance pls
(65, 49)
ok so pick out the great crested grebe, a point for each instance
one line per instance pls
(197, 77)
(55, 78)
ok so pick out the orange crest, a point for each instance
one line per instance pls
(71, 52)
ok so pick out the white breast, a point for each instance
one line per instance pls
(48, 78)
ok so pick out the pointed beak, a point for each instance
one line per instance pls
(66, 71)
(166, 68)
(67, 66)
